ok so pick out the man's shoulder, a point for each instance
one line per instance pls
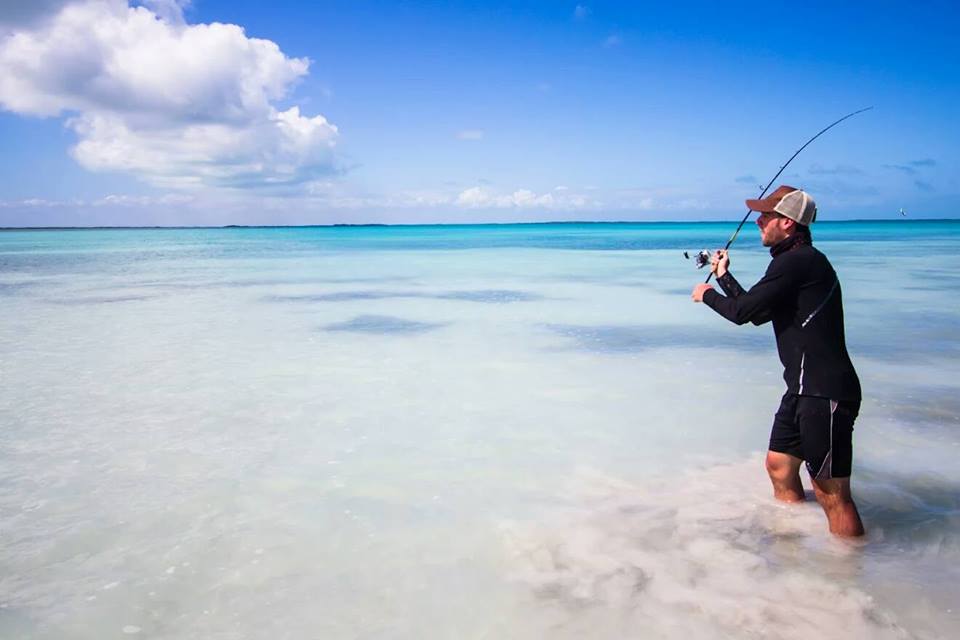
(801, 253)
(816, 254)
(806, 263)
(804, 260)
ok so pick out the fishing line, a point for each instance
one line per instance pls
(703, 257)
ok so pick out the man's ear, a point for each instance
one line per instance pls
(788, 223)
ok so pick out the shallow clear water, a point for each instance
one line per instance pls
(519, 431)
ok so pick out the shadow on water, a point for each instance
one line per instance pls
(677, 291)
(96, 300)
(261, 282)
(638, 338)
(934, 279)
(494, 296)
(490, 296)
(340, 296)
(383, 325)
(14, 288)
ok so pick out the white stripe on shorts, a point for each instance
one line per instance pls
(828, 461)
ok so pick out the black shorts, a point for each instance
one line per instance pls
(817, 430)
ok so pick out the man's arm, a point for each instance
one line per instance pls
(730, 286)
(720, 265)
(733, 289)
(754, 306)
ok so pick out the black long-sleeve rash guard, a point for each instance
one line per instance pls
(800, 293)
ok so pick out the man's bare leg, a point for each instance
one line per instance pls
(784, 472)
(834, 496)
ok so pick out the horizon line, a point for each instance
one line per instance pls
(435, 224)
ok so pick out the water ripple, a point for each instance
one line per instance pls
(383, 325)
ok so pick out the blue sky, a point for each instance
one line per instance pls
(159, 113)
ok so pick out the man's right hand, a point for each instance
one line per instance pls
(699, 290)
(720, 262)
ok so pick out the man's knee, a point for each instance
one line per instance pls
(783, 470)
(782, 466)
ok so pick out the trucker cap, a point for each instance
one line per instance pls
(790, 202)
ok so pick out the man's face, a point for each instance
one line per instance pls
(773, 228)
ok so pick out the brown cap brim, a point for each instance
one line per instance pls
(767, 204)
(763, 206)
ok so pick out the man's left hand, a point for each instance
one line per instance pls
(698, 291)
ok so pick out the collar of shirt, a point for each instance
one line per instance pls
(792, 241)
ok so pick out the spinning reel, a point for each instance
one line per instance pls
(701, 258)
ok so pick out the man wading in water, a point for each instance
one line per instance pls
(800, 293)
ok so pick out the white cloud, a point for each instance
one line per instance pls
(123, 200)
(613, 41)
(32, 203)
(470, 134)
(581, 12)
(178, 105)
(169, 10)
(481, 198)
(20, 13)
(115, 200)
(331, 195)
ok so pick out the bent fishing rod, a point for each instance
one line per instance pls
(703, 257)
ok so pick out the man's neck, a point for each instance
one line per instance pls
(795, 239)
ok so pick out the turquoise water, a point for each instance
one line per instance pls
(580, 236)
(456, 431)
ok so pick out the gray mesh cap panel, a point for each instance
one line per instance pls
(798, 206)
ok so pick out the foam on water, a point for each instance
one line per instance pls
(704, 554)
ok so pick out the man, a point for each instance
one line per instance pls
(800, 294)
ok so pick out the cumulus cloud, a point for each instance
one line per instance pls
(22, 13)
(176, 104)
(168, 10)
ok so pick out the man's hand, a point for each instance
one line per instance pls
(719, 262)
(698, 290)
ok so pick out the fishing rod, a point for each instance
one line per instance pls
(703, 257)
